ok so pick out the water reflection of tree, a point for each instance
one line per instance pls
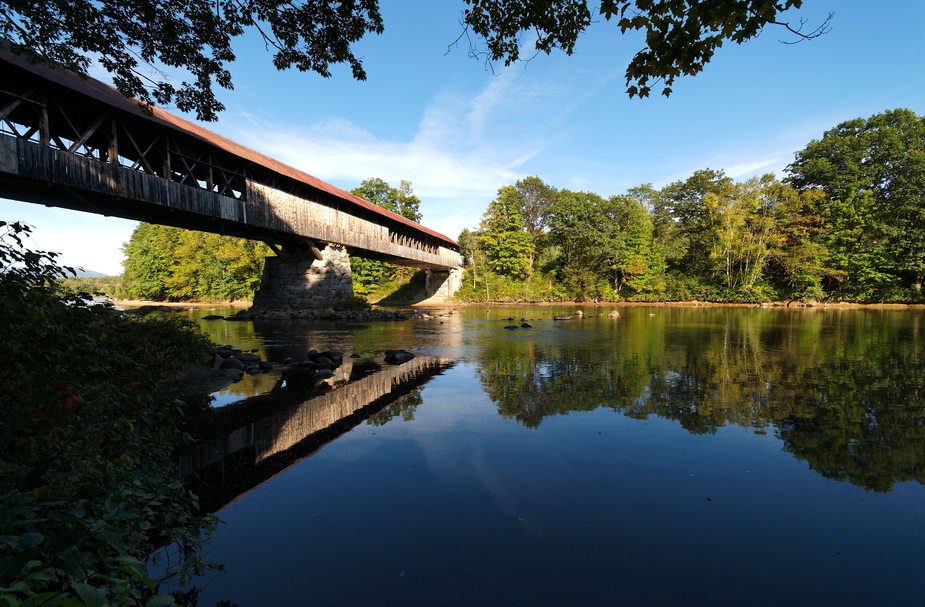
(845, 392)
(403, 407)
(869, 426)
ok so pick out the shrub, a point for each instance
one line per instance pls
(89, 425)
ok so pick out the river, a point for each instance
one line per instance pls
(676, 456)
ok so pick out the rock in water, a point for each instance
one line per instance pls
(234, 374)
(233, 363)
(397, 357)
(323, 374)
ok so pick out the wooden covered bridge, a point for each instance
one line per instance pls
(78, 144)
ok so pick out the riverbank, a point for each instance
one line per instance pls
(435, 303)
(681, 304)
(137, 303)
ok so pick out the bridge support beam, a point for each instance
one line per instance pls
(443, 283)
(299, 279)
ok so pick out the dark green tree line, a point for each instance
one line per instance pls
(847, 223)
(873, 217)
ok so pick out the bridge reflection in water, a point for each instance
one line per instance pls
(246, 445)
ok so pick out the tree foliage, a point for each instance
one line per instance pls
(372, 278)
(195, 36)
(604, 245)
(845, 225)
(137, 38)
(681, 36)
(873, 173)
(166, 263)
(399, 200)
(504, 236)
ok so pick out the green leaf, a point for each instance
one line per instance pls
(30, 539)
(128, 564)
(9, 540)
(43, 576)
(160, 600)
(47, 598)
(91, 595)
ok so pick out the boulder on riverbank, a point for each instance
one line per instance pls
(204, 379)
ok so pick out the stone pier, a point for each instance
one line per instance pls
(299, 279)
(443, 283)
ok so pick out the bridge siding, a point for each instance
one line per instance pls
(263, 206)
(96, 138)
(285, 212)
(50, 165)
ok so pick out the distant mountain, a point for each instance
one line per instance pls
(81, 273)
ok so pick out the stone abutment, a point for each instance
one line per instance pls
(298, 279)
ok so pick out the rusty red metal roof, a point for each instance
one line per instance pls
(110, 96)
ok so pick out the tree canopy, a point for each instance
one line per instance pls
(136, 40)
(399, 200)
(845, 225)
(195, 36)
(873, 174)
(681, 36)
(163, 262)
(372, 278)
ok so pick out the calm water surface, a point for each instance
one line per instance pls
(674, 456)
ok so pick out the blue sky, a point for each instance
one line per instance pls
(430, 114)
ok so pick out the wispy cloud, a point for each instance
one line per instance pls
(741, 161)
(463, 149)
(465, 146)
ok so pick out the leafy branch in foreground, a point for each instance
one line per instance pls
(138, 40)
(681, 36)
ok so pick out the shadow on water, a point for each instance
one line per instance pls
(240, 446)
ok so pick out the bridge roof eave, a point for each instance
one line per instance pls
(108, 95)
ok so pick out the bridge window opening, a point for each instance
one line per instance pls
(22, 115)
(27, 134)
(139, 153)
